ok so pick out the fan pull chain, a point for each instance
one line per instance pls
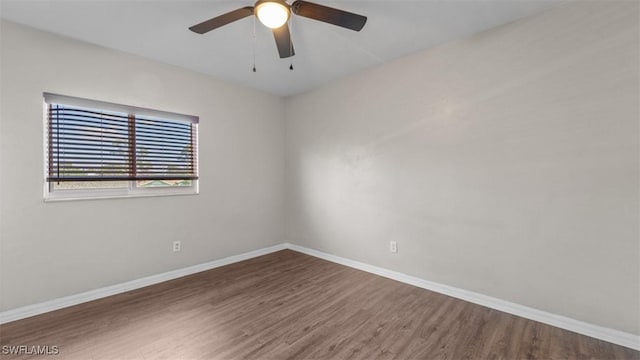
(290, 43)
(254, 44)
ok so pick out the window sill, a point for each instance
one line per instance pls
(105, 196)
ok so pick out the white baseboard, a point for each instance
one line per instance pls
(580, 327)
(55, 304)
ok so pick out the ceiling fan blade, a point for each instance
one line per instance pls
(222, 20)
(329, 15)
(283, 41)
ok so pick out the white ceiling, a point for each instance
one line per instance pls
(159, 30)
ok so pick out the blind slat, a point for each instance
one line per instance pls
(119, 178)
(88, 116)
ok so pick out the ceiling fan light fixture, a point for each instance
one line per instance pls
(272, 13)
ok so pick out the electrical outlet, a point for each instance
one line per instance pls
(393, 246)
(177, 246)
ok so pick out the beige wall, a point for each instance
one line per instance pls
(49, 250)
(505, 164)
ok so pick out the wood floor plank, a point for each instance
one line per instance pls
(287, 305)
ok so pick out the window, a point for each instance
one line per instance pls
(97, 149)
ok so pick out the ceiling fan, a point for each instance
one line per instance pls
(275, 14)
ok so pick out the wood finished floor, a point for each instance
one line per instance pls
(287, 305)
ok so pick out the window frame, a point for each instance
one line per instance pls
(129, 191)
